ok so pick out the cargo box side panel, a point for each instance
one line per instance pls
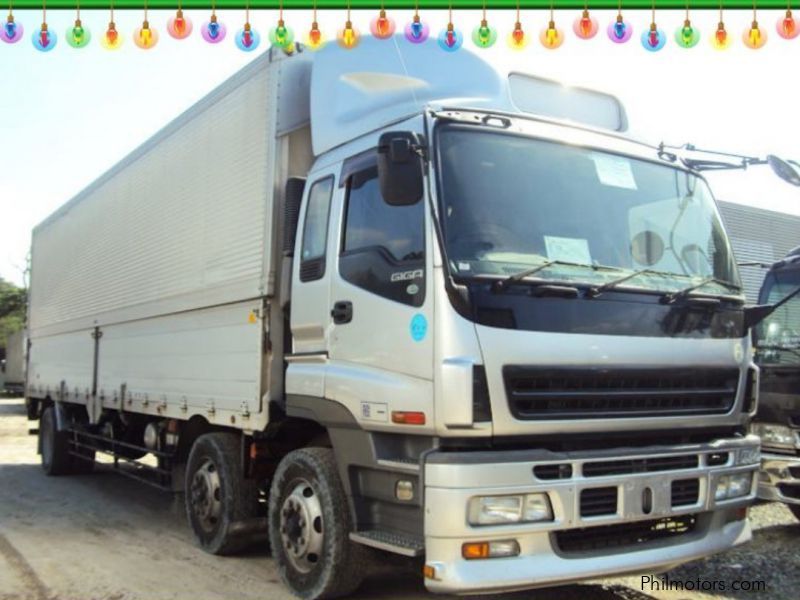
(66, 357)
(176, 226)
(205, 362)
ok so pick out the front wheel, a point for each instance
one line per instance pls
(310, 525)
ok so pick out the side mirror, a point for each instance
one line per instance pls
(400, 168)
(785, 170)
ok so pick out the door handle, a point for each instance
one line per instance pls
(342, 312)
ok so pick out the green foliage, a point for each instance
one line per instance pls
(12, 309)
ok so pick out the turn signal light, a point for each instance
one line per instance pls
(402, 417)
(497, 549)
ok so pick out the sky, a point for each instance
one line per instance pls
(69, 115)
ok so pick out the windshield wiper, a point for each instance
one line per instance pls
(673, 296)
(502, 284)
(610, 285)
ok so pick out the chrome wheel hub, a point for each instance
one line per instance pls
(302, 533)
(206, 495)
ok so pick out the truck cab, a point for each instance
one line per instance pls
(777, 343)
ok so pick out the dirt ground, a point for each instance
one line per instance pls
(104, 537)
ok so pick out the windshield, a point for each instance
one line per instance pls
(778, 336)
(510, 203)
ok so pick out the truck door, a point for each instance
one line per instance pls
(381, 347)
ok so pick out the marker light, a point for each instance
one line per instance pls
(248, 38)
(518, 39)
(111, 39)
(585, 26)
(43, 39)
(416, 31)
(12, 31)
(787, 26)
(721, 40)
(77, 36)
(754, 37)
(282, 36)
(484, 36)
(179, 26)
(402, 417)
(144, 37)
(382, 27)
(620, 30)
(551, 37)
(687, 36)
(213, 32)
(653, 39)
(348, 37)
(314, 38)
(450, 38)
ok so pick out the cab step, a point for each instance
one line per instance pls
(398, 543)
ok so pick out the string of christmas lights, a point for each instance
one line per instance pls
(382, 26)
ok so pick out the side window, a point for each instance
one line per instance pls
(315, 230)
(384, 246)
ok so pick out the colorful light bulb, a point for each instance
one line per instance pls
(687, 36)
(314, 39)
(43, 39)
(518, 39)
(721, 40)
(348, 37)
(12, 31)
(144, 36)
(484, 36)
(787, 26)
(282, 36)
(78, 36)
(619, 31)
(754, 37)
(450, 38)
(213, 32)
(416, 31)
(382, 27)
(179, 26)
(551, 36)
(111, 39)
(585, 26)
(248, 38)
(653, 39)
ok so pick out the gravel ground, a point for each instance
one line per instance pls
(103, 537)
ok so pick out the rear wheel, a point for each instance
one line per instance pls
(310, 525)
(221, 504)
(54, 448)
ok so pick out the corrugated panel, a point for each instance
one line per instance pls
(758, 235)
(180, 227)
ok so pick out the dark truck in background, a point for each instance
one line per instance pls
(777, 353)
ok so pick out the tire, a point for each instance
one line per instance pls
(310, 525)
(795, 510)
(53, 445)
(221, 504)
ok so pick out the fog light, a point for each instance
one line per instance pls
(739, 484)
(496, 549)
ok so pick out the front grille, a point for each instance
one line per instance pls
(598, 501)
(603, 468)
(587, 539)
(685, 492)
(565, 393)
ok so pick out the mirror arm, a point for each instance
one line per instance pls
(753, 315)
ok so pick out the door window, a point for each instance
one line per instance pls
(383, 250)
(315, 230)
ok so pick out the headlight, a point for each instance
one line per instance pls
(498, 510)
(774, 435)
(732, 486)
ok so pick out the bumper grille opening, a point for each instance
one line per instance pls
(598, 501)
(685, 492)
(587, 539)
(790, 490)
(564, 393)
(639, 465)
(559, 471)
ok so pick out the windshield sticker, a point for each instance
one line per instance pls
(574, 250)
(614, 171)
(418, 327)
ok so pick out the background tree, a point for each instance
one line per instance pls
(13, 301)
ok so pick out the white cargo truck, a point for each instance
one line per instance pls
(394, 299)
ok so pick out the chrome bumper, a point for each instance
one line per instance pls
(776, 475)
(451, 479)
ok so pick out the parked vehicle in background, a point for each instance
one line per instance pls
(394, 299)
(13, 375)
(777, 422)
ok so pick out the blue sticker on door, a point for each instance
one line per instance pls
(418, 327)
